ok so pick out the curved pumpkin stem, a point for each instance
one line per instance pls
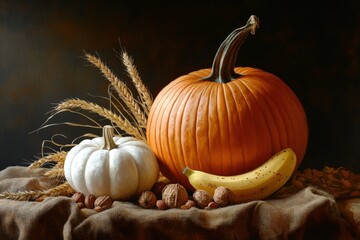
(108, 134)
(224, 62)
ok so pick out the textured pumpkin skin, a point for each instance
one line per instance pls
(121, 173)
(224, 128)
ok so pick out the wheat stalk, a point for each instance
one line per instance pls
(121, 122)
(57, 172)
(54, 157)
(142, 90)
(63, 189)
(123, 91)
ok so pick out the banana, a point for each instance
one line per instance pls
(254, 185)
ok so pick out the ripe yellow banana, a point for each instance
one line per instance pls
(254, 185)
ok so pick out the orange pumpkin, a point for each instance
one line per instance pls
(225, 120)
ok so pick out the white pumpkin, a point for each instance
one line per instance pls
(120, 167)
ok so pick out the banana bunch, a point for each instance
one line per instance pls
(254, 185)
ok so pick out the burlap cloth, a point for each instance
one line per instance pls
(308, 214)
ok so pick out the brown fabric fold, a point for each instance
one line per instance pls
(308, 214)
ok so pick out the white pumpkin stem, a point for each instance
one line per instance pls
(224, 62)
(108, 134)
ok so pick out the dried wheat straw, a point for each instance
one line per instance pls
(56, 173)
(142, 90)
(63, 189)
(121, 122)
(54, 157)
(120, 87)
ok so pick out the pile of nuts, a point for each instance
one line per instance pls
(172, 195)
(90, 201)
(340, 182)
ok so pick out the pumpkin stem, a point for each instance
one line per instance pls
(108, 134)
(224, 62)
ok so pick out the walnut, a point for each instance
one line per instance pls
(223, 196)
(174, 195)
(201, 198)
(102, 203)
(78, 197)
(90, 201)
(147, 199)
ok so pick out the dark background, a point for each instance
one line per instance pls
(313, 47)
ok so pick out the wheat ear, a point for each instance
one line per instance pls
(121, 122)
(120, 87)
(54, 157)
(142, 90)
(63, 189)
(56, 172)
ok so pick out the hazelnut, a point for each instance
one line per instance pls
(160, 204)
(102, 203)
(147, 199)
(174, 195)
(90, 201)
(185, 207)
(223, 196)
(212, 205)
(201, 198)
(78, 197)
(189, 204)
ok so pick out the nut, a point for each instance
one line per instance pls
(90, 201)
(102, 203)
(191, 203)
(78, 197)
(201, 198)
(161, 205)
(174, 195)
(223, 196)
(147, 199)
(212, 205)
(185, 207)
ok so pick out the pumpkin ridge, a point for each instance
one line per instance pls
(173, 97)
(239, 120)
(177, 112)
(157, 115)
(233, 121)
(225, 126)
(205, 114)
(275, 116)
(285, 108)
(183, 161)
(215, 123)
(259, 101)
(196, 111)
(279, 109)
(248, 126)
